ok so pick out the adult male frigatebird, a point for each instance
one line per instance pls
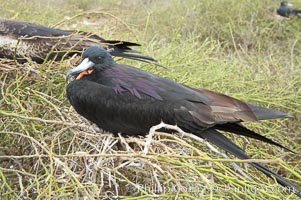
(123, 99)
(23, 40)
(285, 11)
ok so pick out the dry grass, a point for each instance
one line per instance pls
(48, 151)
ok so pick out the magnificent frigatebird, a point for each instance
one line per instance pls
(285, 11)
(127, 100)
(20, 40)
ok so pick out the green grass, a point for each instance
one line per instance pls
(48, 151)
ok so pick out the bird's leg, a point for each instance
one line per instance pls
(153, 129)
(151, 134)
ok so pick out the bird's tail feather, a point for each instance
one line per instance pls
(265, 113)
(141, 58)
(123, 49)
(124, 45)
(91, 39)
(241, 130)
(114, 47)
(223, 142)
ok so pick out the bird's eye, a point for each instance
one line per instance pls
(99, 58)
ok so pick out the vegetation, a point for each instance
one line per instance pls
(240, 48)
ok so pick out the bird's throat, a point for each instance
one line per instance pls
(84, 73)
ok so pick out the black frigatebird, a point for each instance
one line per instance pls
(285, 11)
(23, 40)
(127, 100)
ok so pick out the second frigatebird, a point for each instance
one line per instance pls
(22, 40)
(124, 99)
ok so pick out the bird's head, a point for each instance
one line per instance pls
(93, 58)
(285, 3)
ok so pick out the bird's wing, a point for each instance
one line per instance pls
(205, 107)
(227, 112)
(246, 111)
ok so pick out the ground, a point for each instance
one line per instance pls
(240, 48)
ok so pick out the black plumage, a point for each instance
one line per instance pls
(285, 11)
(123, 99)
(21, 40)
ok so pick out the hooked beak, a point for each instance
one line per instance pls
(289, 4)
(83, 66)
